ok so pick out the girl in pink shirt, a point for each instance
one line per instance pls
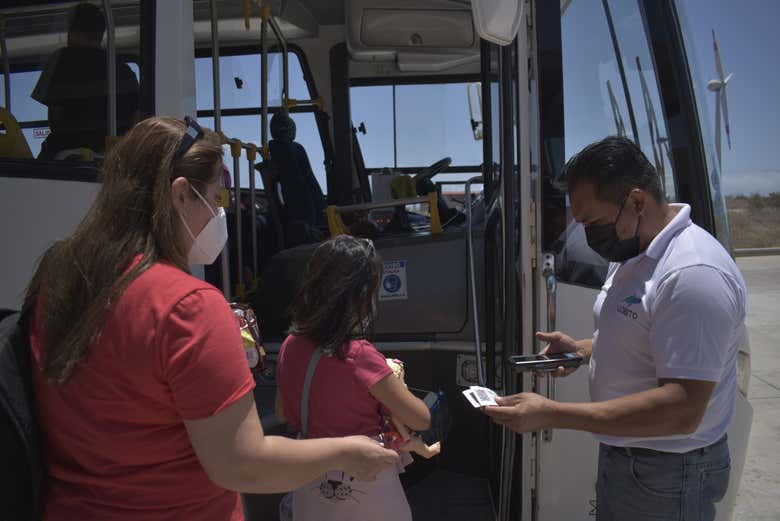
(350, 383)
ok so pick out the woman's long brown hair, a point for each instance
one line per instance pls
(80, 277)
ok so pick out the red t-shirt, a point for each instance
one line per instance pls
(114, 438)
(340, 403)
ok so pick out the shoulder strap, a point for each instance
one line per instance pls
(315, 359)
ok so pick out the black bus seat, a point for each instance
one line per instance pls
(295, 198)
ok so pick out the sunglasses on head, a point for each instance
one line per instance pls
(191, 135)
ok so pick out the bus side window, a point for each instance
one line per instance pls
(601, 98)
(59, 89)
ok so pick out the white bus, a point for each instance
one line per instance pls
(489, 97)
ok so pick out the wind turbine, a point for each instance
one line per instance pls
(718, 86)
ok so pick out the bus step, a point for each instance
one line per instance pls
(448, 496)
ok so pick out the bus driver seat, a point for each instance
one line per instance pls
(302, 208)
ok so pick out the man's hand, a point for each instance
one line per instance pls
(558, 342)
(524, 412)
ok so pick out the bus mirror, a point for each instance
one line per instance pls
(474, 95)
(497, 21)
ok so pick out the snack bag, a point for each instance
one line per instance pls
(250, 336)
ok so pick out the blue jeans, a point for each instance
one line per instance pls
(644, 485)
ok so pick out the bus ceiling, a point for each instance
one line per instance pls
(419, 35)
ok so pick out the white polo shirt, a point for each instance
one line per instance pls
(674, 311)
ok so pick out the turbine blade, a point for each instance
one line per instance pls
(718, 64)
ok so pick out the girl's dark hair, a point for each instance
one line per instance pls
(337, 301)
(80, 277)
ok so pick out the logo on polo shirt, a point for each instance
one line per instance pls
(629, 301)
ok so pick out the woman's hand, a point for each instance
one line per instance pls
(365, 458)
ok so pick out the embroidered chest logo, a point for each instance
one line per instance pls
(626, 309)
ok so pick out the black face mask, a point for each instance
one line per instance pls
(604, 240)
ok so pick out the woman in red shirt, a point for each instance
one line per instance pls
(349, 384)
(143, 389)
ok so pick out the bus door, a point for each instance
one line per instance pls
(601, 68)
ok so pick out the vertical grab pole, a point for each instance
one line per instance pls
(6, 65)
(473, 281)
(285, 75)
(111, 65)
(285, 72)
(251, 155)
(235, 152)
(265, 14)
(224, 256)
(215, 65)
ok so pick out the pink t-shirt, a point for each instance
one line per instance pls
(340, 403)
(115, 442)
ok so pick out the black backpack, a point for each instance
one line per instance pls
(22, 470)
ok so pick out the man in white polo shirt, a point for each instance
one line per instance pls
(662, 358)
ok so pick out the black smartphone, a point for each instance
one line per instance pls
(549, 362)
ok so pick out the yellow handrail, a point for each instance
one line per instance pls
(336, 225)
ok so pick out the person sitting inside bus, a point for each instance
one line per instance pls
(303, 197)
(73, 85)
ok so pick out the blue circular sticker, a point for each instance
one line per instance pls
(392, 283)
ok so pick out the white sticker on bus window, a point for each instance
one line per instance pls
(41, 132)
(393, 285)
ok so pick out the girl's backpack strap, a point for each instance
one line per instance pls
(315, 360)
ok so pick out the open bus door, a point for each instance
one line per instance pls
(583, 50)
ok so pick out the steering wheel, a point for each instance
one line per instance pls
(427, 173)
(423, 185)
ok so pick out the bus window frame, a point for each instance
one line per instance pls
(417, 79)
(689, 162)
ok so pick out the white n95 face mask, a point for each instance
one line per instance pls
(207, 246)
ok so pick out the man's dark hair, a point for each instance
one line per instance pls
(614, 166)
(87, 19)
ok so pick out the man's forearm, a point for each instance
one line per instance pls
(663, 411)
